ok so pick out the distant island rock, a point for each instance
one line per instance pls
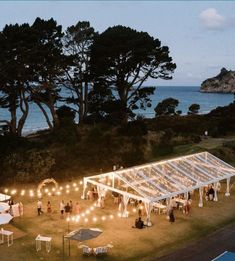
(224, 82)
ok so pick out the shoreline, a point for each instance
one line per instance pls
(35, 130)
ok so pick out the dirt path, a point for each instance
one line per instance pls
(207, 248)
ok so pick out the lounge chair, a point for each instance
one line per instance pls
(100, 250)
(86, 250)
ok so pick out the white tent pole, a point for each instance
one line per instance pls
(215, 189)
(227, 194)
(125, 202)
(113, 180)
(148, 208)
(186, 195)
(200, 197)
(84, 188)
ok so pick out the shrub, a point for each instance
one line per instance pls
(161, 149)
(134, 128)
(193, 108)
(28, 167)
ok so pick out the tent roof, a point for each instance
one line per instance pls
(158, 180)
(4, 197)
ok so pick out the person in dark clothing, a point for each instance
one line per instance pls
(189, 195)
(171, 216)
(139, 223)
(211, 193)
(67, 209)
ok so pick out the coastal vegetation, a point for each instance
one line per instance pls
(89, 86)
(71, 152)
(102, 73)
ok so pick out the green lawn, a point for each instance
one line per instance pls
(129, 243)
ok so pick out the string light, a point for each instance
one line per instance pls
(13, 192)
(6, 190)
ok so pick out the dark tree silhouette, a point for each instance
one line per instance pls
(15, 74)
(167, 107)
(49, 63)
(122, 59)
(193, 108)
(77, 42)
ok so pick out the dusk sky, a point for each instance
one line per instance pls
(200, 34)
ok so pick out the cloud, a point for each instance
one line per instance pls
(212, 20)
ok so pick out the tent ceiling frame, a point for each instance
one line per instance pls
(200, 169)
(147, 200)
(209, 165)
(168, 177)
(169, 182)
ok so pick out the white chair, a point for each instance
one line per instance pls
(100, 250)
(86, 250)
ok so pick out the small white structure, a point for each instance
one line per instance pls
(39, 240)
(9, 236)
(155, 181)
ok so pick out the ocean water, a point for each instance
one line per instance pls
(186, 95)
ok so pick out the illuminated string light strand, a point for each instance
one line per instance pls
(32, 192)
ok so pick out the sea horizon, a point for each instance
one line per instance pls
(186, 95)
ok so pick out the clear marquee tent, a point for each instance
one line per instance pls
(155, 181)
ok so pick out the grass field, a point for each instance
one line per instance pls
(129, 243)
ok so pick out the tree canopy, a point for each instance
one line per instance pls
(122, 59)
(99, 76)
(167, 107)
(193, 108)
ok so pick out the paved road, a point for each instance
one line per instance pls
(207, 248)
